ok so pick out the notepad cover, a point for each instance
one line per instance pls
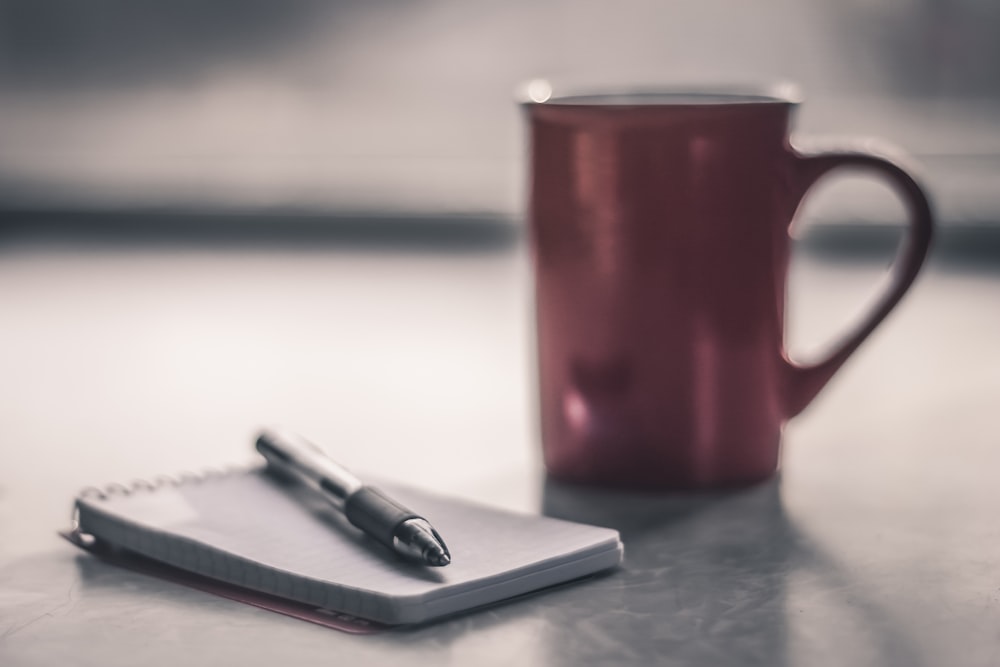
(252, 531)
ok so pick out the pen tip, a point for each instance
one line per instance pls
(437, 557)
(416, 539)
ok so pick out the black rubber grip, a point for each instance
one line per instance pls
(376, 514)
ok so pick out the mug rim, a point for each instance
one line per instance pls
(540, 93)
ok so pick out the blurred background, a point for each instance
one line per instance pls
(406, 107)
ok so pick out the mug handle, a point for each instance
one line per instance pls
(803, 383)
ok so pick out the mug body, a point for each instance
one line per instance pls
(659, 227)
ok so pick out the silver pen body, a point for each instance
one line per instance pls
(306, 463)
(367, 508)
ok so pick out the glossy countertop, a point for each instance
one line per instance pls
(878, 543)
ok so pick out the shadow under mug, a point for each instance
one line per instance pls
(659, 225)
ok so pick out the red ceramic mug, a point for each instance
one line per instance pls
(659, 226)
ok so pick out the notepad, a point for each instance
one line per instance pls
(250, 530)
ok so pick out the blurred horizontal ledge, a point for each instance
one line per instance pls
(472, 232)
(963, 185)
(956, 245)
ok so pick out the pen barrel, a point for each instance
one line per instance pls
(367, 508)
(376, 514)
(305, 462)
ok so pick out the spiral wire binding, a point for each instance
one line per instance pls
(156, 483)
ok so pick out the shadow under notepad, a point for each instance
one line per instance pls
(127, 564)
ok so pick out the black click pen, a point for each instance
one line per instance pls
(366, 507)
